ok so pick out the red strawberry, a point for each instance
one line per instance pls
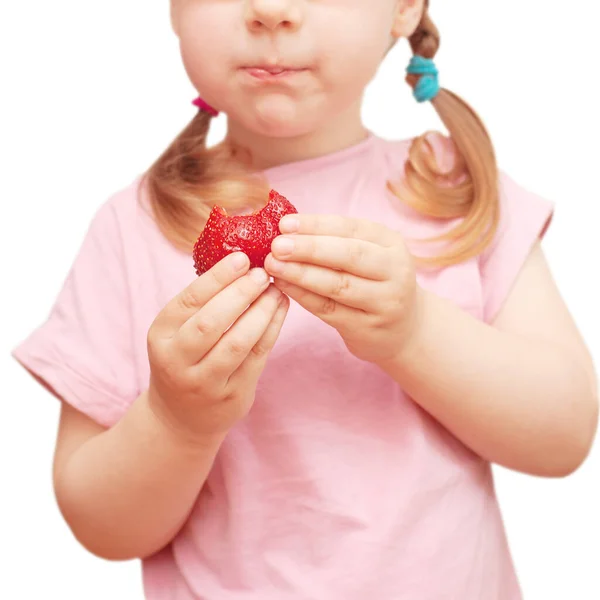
(251, 234)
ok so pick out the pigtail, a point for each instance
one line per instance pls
(469, 189)
(188, 179)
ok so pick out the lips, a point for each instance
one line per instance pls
(272, 70)
(268, 72)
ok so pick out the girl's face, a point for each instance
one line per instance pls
(282, 68)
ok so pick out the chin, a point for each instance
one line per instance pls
(283, 130)
(280, 126)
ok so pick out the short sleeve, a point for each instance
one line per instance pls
(524, 218)
(84, 350)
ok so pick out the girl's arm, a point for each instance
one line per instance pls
(521, 393)
(126, 491)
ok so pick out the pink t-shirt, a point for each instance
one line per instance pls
(337, 485)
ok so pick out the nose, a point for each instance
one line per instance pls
(273, 14)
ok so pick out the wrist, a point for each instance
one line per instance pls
(180, 435)
(409, 349)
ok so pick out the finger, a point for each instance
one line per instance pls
(328, 310)
(203, 329)
(340, 286)
(200, 291)
(364, 259)
(235, 346)
(251, 369)
(338, 226)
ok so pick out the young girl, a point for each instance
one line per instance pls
(337, 446)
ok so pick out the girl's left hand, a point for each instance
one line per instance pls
(355, 275)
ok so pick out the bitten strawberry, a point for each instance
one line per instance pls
(251, 234)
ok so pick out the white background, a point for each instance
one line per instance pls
(93, 92)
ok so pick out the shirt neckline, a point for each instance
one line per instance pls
(310, 164)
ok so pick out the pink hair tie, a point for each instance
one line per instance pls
(202, 105)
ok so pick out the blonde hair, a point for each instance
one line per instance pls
(189, 178)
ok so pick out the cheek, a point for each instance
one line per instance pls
(353, 51)
(200, 71)
(205, 49)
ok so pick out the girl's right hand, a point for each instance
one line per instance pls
(209, 345)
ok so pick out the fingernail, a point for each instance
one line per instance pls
(276, 266)
(283, 246)
(259, 275)
(238, 261)
(274, 293)
(289, 224)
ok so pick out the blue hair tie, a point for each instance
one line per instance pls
(428, 86)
